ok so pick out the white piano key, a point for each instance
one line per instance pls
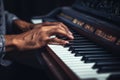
(36, 21)
(98, 76)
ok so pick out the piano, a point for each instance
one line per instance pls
(94, 54)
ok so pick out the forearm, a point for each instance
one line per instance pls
(23, 25)
(9, 43)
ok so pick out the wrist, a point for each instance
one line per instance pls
(10, 42)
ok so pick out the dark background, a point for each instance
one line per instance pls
(25, 9)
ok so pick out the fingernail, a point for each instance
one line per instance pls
(70, 32)
(71, 36)
(66, 42)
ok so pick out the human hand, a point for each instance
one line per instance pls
(41, 36)
(45, 24)
(26, 26)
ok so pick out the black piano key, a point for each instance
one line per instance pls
(74, 32)
(92, 54)
(77, 51)
(87, 49)
(109, 69)
(95, 56)
(84, 43)
(78, 44)
(102, 59)
(102, 64)
(79, 38)
(78, 41)
(77, 35)
(82, 46)
(67, 45)
(83, 53)
(72, 45)
(115, 76)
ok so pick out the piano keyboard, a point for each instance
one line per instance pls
(88, 60)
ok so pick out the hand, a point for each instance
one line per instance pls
(45, 24)
(40, 36)
(26, 26)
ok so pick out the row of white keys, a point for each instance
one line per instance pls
(81, 69)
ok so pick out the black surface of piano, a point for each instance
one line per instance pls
(94, 54)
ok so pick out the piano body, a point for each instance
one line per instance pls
(94, 53)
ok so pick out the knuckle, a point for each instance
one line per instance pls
(46, 39)
(42, 28)
(60, 22)
(59, 26)
(47, 22)
(61, 41)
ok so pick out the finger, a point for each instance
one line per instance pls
(61, 26)
(66, 28)
(60, 32)
(57, 41)
(57, 23)
(50, 23)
